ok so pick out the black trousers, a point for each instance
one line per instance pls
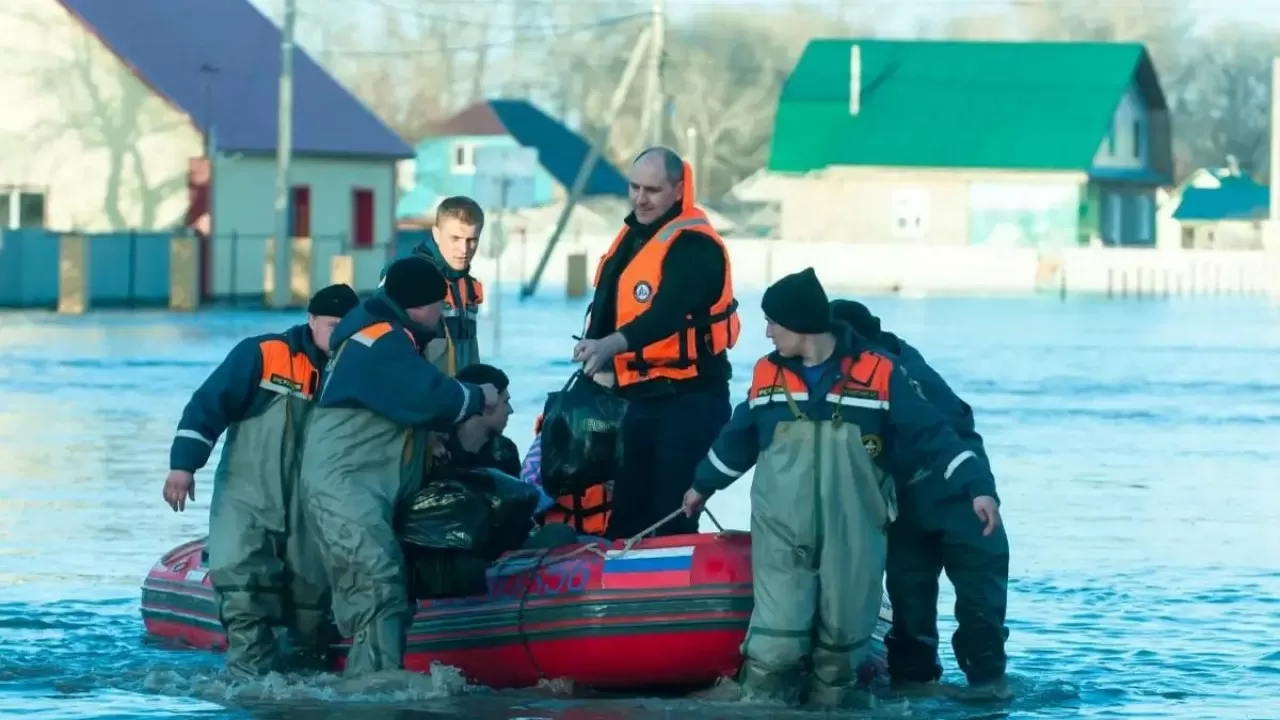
(664, 440)
(978, 568)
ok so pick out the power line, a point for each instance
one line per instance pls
(545, 32)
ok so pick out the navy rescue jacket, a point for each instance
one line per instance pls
(256, 371)
(935, 388)
(383, 371)
(903, 433)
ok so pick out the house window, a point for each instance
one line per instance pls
(463, 159)
(1137, 139)
(300, 211)
(362, 207)
(1145, 209)
(1188, 237)
(31, 209)
(1113, 215)
(910, 213)
(21, 209)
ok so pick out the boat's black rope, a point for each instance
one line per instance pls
(528, 584)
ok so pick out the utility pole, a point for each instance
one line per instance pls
(282, 293)
(1271, 236)
(589, 163)
(656, 103)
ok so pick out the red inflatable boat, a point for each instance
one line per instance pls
(668, 611)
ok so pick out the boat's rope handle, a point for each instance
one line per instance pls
(630, 542)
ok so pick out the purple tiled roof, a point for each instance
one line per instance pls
(219, 61)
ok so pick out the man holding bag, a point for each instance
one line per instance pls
(827, 424)
(663, 319)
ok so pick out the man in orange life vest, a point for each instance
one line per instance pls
(661, 323)
(828, 423)
(260, 396)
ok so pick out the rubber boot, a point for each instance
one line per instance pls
(765, 685)
(251, 647)
(311, 638)
(379, 645)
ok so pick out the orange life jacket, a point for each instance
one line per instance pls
(674, 357)
(466, 301)
(863, 383)
(588, 512)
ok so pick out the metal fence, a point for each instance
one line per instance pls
(125, 269)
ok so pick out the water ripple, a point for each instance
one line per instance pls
(1135, 443)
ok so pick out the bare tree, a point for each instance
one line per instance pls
(1225, 92)
(103, 111)
(420, 62)
(724, 77)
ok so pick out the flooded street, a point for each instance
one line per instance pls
(1135, 444)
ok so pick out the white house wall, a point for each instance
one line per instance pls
(244, 214)
(80, 127)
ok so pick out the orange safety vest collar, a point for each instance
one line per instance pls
(863, 383)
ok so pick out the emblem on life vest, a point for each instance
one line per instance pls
(873, 445)
(643, 291)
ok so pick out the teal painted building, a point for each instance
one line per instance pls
(445, 163)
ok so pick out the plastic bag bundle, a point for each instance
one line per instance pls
(446, 514)
(480, 510)
(511, 507)
(581, 436)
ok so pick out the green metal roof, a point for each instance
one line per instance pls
(1041, 105)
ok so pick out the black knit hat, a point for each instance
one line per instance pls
(333, 301)
(414, 282)
(798, 303)
(857, 316)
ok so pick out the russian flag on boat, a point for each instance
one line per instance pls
(647, 568)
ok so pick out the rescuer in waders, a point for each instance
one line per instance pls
(455, 237)
(260, 396)
(942, 527)
(827, 423)
(662, 321)
(365, 450)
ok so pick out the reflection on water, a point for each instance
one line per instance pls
(1134, 444)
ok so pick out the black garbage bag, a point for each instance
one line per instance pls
(446, 514)
(581, 436)
(479, 510)
(511, 507)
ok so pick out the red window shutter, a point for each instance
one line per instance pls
(300, 218)
(362, 218)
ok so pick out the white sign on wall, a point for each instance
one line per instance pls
(504, 178)
(909, 213)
